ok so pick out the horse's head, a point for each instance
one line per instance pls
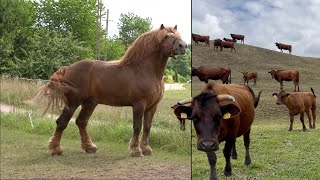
(172, 43)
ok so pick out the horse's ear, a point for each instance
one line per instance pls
(161, 27)
(175, 27)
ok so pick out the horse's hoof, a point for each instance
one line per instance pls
(56, 151)
(136, 153)
(90, 148)
(146, 150)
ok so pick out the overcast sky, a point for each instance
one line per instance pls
(263, 22)
(166, 12)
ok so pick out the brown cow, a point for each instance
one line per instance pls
(238, 37)
(250, 75)
(215, 73)
(284, 46)
(230, 40)
(217, 44)
(299, 103)
(197, 37)
(221, 113)
(286, 75)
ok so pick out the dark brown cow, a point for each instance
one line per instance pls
(229, 40)
(299, 103)
(217, 44)
(250, 75)
(221, 113)
(197, 37)
(284, 46)
(286, 75)
(238, 37)
(215, 73)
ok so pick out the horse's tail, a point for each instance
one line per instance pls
(54, 91)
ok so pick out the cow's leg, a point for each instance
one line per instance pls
(212, 158)
(246, 139)
(62, 123)
(309, 118)
(138, 110)
(227, 153)
(144, 143)
(234, 153)
(291, 122)
(281, 84)
(87, 109)
(302, 121)
(254, 82)
(313, 109)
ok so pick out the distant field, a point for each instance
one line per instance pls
(276, 153)
(24, 152)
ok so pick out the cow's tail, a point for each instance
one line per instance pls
(255, 99)
(313, 92)
(54, 92)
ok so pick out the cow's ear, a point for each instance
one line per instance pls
(161, 27)
(229, 110)
(175, 27)
(183, 112)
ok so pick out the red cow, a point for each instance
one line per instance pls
(238, 37)
(221, 113)
(197, 37)
(215, 73)
(286, 75)
(284, 46)
(250, 75)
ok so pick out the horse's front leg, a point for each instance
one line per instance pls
(138, 110)
(144, 144)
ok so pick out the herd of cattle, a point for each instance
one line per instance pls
(223, 112)
(229, 43)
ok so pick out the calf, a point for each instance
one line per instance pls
(299, 103)
(214, 73)
(250, 75)
(284, 46)
(221, 113)
(197, 37)
(237, 37)
(286, 75)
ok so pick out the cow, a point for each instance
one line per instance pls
(215, 73)
(229, 40)
(226, 44)
(286, 75)
(299, 103)
(238, 37)
(284, 46)
(217, 44)
(197, 37)
(250, 75)
(221, 113)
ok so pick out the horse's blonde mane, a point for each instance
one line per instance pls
(145, 45)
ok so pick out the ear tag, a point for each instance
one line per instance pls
(227, 115)
(275, 96)
(183, 115)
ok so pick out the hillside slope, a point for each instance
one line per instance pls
(250, 58)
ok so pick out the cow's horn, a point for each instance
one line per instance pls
(185, 101)
(224, 97)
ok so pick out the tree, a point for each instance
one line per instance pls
(132, 26)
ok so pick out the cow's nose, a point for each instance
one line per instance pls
(208, 145)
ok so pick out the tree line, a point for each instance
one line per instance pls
(38, 37)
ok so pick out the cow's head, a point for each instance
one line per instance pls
(193, 71)
(281, 97)
(273, 73)
(245, 74)
(277, 44)
(207, 115)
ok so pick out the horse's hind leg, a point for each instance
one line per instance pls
(62, 123)
(87, 109)
(144, 144)
(138, 110)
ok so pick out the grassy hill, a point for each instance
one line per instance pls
(251, 58)
(275, 152)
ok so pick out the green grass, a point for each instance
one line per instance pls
(275, 152)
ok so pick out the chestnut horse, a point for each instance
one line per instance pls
(135, 80)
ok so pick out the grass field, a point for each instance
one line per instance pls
(275, 152)
(24, 152)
